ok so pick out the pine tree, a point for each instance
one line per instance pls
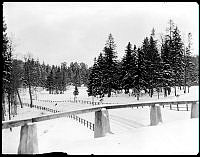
(128, 69)
(155, 65)
(75, 92)
(177, 58)
(110, 73)
(100, 79)
(50, 82)
(91, 80)
(141, 73)
(189, 68)
(6, 60)
(167, 78)
(96, 77)
(146, 57)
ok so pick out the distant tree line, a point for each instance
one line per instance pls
(54, 78)
(148, 68)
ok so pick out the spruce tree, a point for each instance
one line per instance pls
(155, 65)
(110, 73)
(141, 73)
(128, 69)
(7, 68)
(177, 58)
(167, 78)
(189, 67)
(92, 80)
(76, 92)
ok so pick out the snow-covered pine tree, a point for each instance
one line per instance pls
(7, 67)
(177, 58)
(100, 80)
(189, 75)
(155, 64)
(141, 73)
(110, 73)
(76, 92)
(128, 69)
(147, 63)
(167, 78)
(92, 80)
(63, 73)
(50, 82)
(58, 80)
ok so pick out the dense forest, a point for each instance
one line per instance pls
(150, 68)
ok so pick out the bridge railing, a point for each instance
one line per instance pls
(28, 135)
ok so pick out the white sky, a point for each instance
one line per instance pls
(58, 32)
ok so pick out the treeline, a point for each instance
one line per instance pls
(55, 78)
(147, 68)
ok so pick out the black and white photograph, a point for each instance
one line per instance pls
(100, 78)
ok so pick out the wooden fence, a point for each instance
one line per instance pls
(86, 123)
(71, 101)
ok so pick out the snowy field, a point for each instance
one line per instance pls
(178, 134)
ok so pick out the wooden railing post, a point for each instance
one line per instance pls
(102, 124)
(155, 114)
(195, 110)
(28, 140)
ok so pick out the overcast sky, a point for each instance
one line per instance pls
(58, 32)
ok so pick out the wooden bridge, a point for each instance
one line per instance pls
(28, 136)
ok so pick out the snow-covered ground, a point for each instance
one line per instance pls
(178, 134)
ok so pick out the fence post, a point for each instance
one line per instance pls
(187, 107)
(102, 124)
(28, 140)
(195, 110)
(155, 114)
(177, 107)
(93, 127)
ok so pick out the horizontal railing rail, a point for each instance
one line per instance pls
(72, 101)
(15, 123)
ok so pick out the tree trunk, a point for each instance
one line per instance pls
(184, 88)
(165, 92)
(3, 116)
(175, 90)
(3, 107)
(31, 104)
(9, 106)
(138, 95)
(20, 101)
(169, 90)
(151, 93)
(15, 104)
(109, 92)
(9, 103)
